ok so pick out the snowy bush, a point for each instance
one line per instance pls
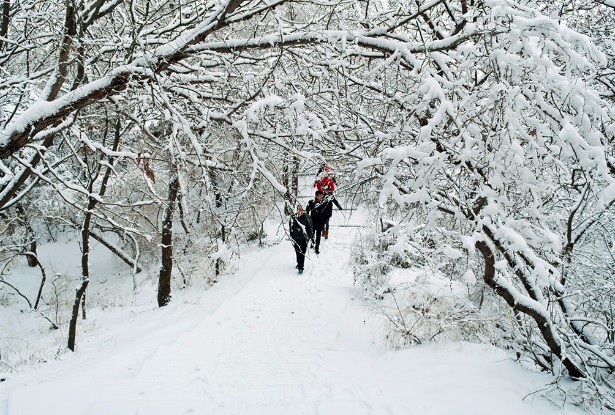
(371, 264)
(431, 309)
(415, 284)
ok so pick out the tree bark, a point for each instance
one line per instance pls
(218, 261)
(288, 207)
(4, 27)
(544, 325)
(40, 289)
(85, 274)
(295, 176)
(72, 330)
(85, 240)
(31, 256)
(164, 279)
(120, 254)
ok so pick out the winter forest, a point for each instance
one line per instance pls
(477, 135)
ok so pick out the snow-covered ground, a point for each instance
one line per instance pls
(269, 341)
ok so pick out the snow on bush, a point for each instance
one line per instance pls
(418, 301)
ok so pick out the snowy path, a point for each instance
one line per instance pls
(268, 341)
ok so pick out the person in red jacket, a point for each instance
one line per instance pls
(325, 180)
(325, 183)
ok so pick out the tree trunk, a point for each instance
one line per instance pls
(544, 324)
(83, 313)
(72, 331)
(4, 27)
(85, 275)
(220, 200)
(40, 289)
(295, 177)
(218, 261)
(120, 254)
(85, 240)
(31, 256)
(290, 179)
(164, 280)
(32, 259)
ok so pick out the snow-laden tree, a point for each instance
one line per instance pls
(596, 19)
(500, 148)
(485, 127)
(119, 107)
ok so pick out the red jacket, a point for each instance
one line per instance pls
(326, 183)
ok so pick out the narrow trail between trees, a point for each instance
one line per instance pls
(267, 341)
(282, 343)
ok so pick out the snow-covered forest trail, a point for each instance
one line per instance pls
(281, 343)
(270, 341)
